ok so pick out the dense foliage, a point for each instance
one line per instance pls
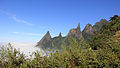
(103, 51)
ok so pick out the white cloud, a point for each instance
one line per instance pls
(21, 21)
(22, 33)
(15, 32)
(13, 16)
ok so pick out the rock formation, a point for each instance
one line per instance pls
(89, 29)
(75, 32)
(45, 40)
(98, 25)
(60, 35)
(88, 32)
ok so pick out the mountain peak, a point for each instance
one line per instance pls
(46, 39)
(89, 29)
(60, 34)
(76, 32)
(88, 32)
(78, 27)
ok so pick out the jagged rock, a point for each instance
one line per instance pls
(88, 32)
(60, 35)
(78, 26)
(75, 32)
(89, 29)
(98, 25)
(45, 40)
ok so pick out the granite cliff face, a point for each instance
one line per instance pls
(89, 29)
(45, 40)
(98, 25)
(75, 32)
(88, 32)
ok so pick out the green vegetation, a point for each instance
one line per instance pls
(102, 51)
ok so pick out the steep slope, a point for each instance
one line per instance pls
(74, 33)
(45, 41)
(88, 32)
(101, 39)
(98, 25)
(58, 41)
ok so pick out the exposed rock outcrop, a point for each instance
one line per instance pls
(89, 29)
(45, 40)
(88, 32)
(60, 35)
(98, 25)
(75, 32)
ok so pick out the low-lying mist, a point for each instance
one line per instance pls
(26, 48)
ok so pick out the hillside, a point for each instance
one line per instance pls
(88, 32)
(107, 32)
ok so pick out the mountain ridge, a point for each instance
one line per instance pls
(88, 32)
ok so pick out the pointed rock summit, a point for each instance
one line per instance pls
(76, 32)
(89, 29)
(78, 26)
(60, 34)
(98, 25)
(45, 40)
(88, 32)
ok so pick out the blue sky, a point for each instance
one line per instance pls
(29, 20)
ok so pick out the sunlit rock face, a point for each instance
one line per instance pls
(75, 32)
(45, 40)
(89, 29)
(88, 32)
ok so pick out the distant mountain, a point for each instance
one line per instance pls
(98, 25)
(47, 41)
(88, 32)
(108, 36)
(74, 33)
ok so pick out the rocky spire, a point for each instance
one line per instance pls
(75, 32)
(89, 29)
(78, 27)
(46, 39)
(60, 34)
(47, 35)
